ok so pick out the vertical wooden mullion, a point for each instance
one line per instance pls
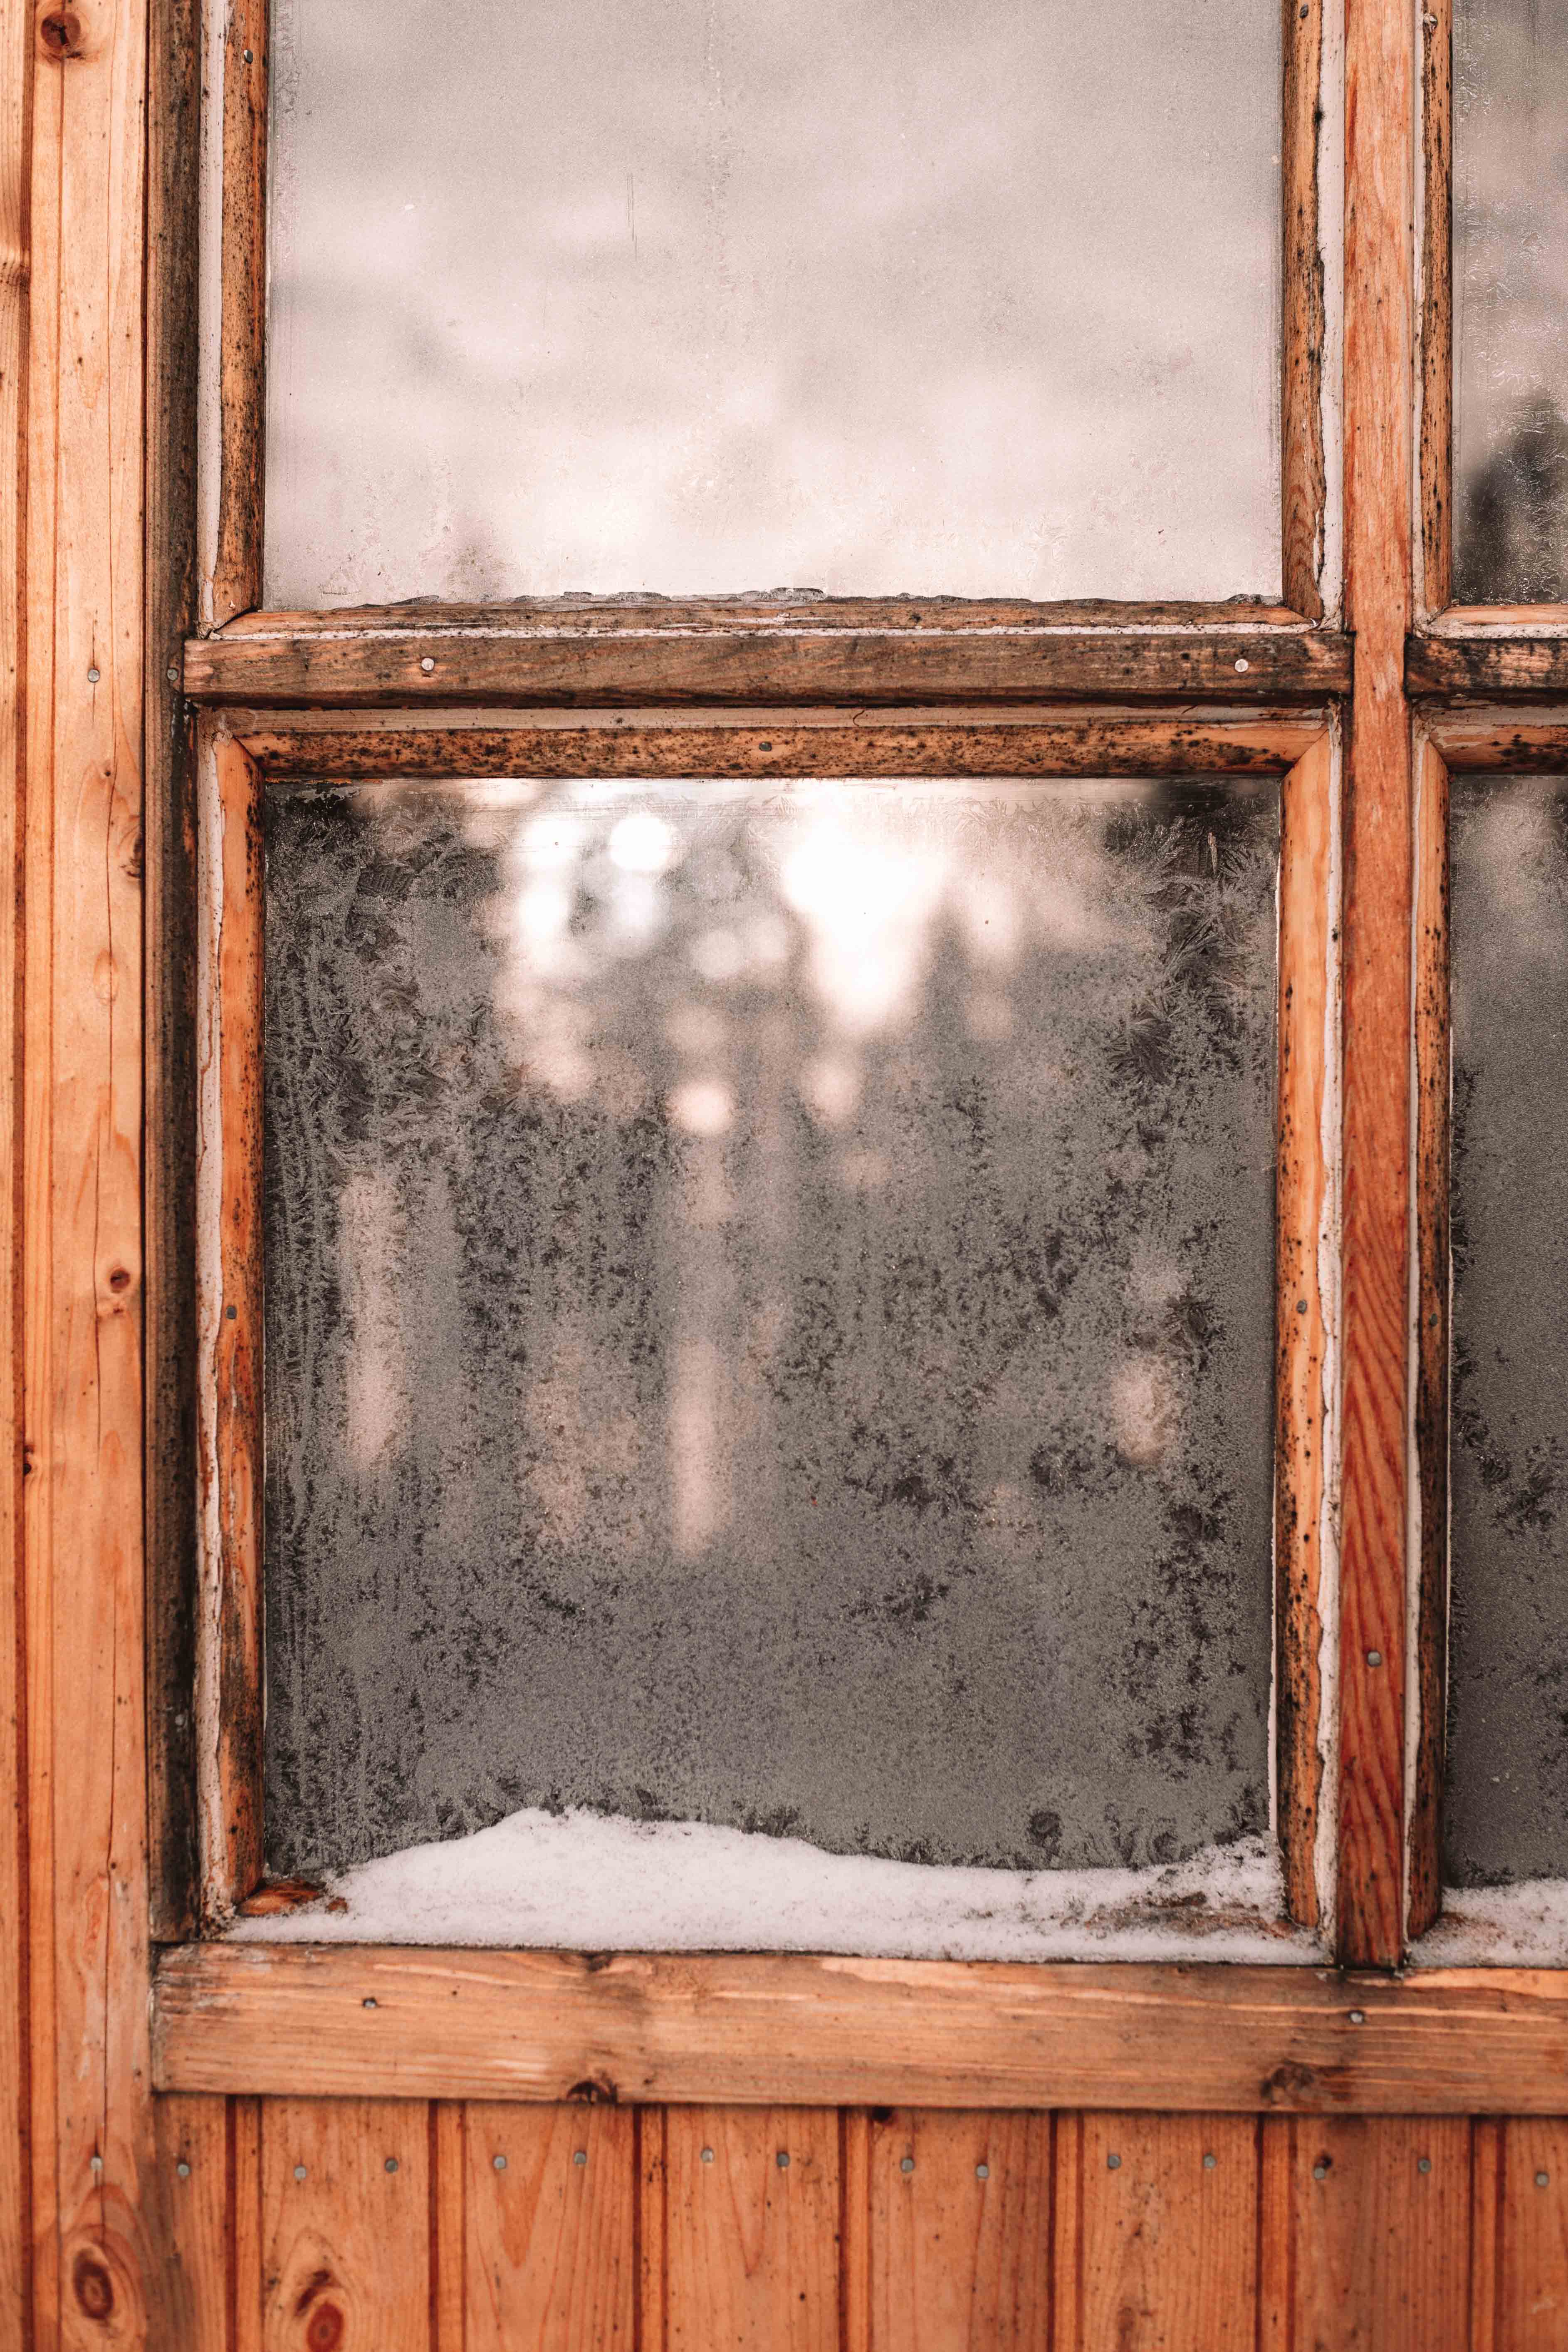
(1436, 307)
(1379, 66)
(229, 1300)
(235, 585)
(1429, 1628)
(1303, 488)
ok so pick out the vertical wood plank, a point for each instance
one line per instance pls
(1303, 482)
(1276, 2234)
(16, 2216)
(1168, 2249)
(1377, 1086)
(236, 572)
(552, 2230)
(960, 2244)
(653, 2280)
(1067, 2232)
(752, 2251)
(244, 2207)
(345, 2204)
(854, 2229)
(448, 2225)
(193, 2313)
(1487, 2134)
(173, 96)
(230, 1314)
(87, 1807)
(1306, 1381)
(1430, 1644)
(1436, 306)
(1532, 2306)
(1380, 2253)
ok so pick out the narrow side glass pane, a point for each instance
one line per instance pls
(652, 297)
(1507, 1812)
(769, 1315)
(1511, 301)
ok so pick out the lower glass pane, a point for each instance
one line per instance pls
(1507, 1811)
(769, 1313)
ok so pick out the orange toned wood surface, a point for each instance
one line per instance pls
(1376, 1139)
(194, 2188)
(345, 2225)
(795, 658)
(1436, 454)
(1432, 1276)
(752, 2229)
(1531, 2270)
(1166, 2246)
(228, 1699)
(1303, 486)
(1307, 1372)
(959, 2231)
(92, 2195)
(236, 567)
(551, 2231)
(1364, 2249)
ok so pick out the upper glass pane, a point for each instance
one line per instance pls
(1511, 301)
(769, 1315)
(1507, 1812)
(701, 297)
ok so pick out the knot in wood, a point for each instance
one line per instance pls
(92, 2286)
(325, 2331)
(59, 34)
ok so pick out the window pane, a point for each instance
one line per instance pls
(1507, 1758)
(1511, 300)
(645, 295)
(769, 1314)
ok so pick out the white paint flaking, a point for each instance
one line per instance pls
(209, 1310)
(1330, 1143)
(209, 306)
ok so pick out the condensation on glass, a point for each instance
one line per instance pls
(769, 1313)
(695, 296)
(1511, 301)
(1507, 1811)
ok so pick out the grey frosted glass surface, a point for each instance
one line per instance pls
(696, 297)
(768, 1313)
(1511, 301)
(1507, 1813)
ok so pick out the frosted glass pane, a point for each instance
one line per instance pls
(654, 296)
(1508, 1759)
(1511, 236)
(768, 1314)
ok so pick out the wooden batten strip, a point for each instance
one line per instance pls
(229, 1300)
(1436, 454)
(1493, 668)
(1303, 492)
(650, 660)
(1498, 742)
(1429, 1597)
(1306, 1248)
(782, 743)
(1379, 66)
(345, 2020)
(237, 568)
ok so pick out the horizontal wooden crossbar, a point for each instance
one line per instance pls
(342, 2020)
(848, 652)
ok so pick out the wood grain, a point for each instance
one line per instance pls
(652, 2217)
(1493, 668)
(1488, 2142)
(354, 747)
(1531, 2304)
(173, 103)
(1307, 1374)
(1168, 2256)
(246, 2251)
(228, 1699)
(960, 2232)
(448, 2227)
(1378, 2257)
(93, 2130)
(195, 2229)
(752, 2255)
(1303, 483)
(1436, 456)
(236, 567)
(760, 2029)
(1432, 1112)
(1498, 742)
(1376, 1130)
(653, 658)
(551, 2197)
(15, 2220)
(345, 2201)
